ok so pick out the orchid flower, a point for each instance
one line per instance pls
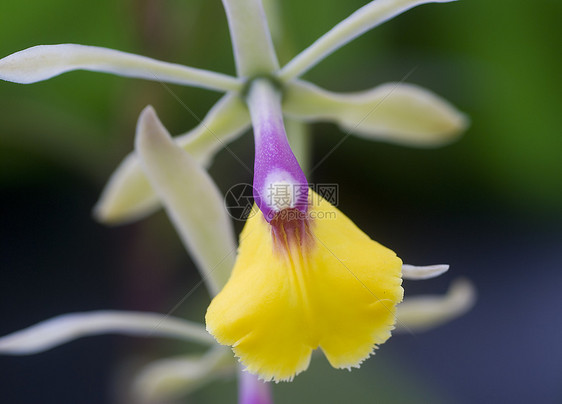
(305, 276)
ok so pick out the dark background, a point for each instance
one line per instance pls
(489, 204)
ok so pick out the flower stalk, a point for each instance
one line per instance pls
(251, 390)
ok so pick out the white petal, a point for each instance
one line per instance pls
(420, 313)
(128, 195)
(191, 199)
(62, 329)
(393, 112)
(45, 61)
(172, 378)
(361, 21)
(251, 39)
(426, 272)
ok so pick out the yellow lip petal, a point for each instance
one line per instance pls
(337, 292)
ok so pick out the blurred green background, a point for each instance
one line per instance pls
(489, 204)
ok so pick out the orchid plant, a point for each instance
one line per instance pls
(304, 275)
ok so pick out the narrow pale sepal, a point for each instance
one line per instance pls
(172, 378)
(421, 313)
(413, 272)
(191, 199)
(251, 39)
(67, 327)
(361, 21)
(43, 62)
(128, 196)
(394, 112)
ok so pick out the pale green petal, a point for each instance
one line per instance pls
(67, 327)
(413, 272)
(191, 199)
(251, 40)
(45, 61)
(128, 196)
(172, 378)
(393, 112)
(420, 313)
(361, 21)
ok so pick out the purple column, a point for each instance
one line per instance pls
(276, 169)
